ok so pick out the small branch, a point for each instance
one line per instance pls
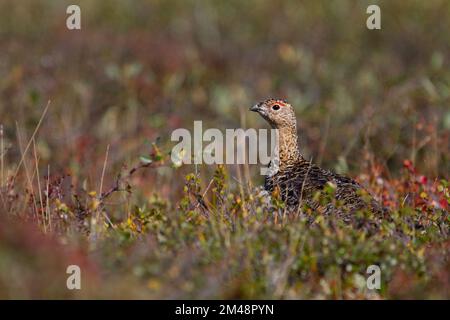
(104, 169)
(116, 186)
(30, 141)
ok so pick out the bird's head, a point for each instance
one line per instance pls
(278, 113)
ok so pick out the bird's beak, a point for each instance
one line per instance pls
(256, 107)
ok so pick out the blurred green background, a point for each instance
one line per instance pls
(139, 69)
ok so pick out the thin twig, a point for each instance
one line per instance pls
(104, 168)
(27, 173)
(99, 208)
(31, 139)
(36, 161)
(47, 202)
(202, 200)
(116, 186)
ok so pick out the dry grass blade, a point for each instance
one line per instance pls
(31, 139)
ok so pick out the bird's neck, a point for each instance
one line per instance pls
(288, 148)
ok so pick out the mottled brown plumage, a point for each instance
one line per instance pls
(298, 181)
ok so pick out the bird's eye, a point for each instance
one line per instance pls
(275, 107)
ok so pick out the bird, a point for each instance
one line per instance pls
(299, 182)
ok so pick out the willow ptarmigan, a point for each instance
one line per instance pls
(299, 181)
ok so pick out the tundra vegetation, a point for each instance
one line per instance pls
(86, 179)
